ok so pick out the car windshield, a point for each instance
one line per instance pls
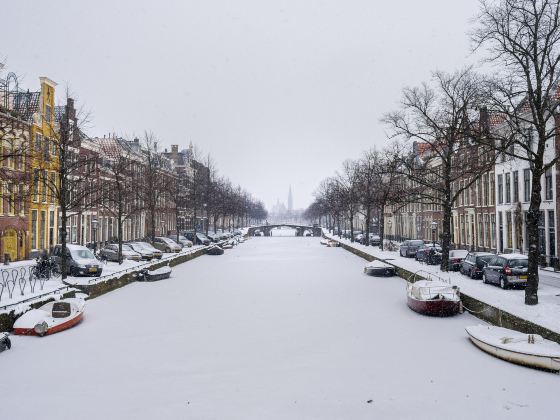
(518, 263)
(484, 258)
(458, 253)
(416, 243)
(126, 247)
(82, 253)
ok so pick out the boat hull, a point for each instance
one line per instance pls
(434, 307)
(68, 323)
(524, 359)
(380, 271)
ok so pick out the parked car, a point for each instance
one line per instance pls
(214, 237)
(80, 261)
(506, 270)
(409, 248)
(111, 253)
(429, 253)
(456, 257)
(197, 238)
(374, 240)
(182, 240)
(145, 254)
(474, 262)
(156, 253)
(166, 244)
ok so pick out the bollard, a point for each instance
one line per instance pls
(6, 259)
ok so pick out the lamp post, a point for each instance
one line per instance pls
(94, 227)
(434, 228)
(162, 227)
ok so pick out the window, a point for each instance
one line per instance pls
(33, 229)
(46, 150)
(515, 186)
(485, 189)
(542, 237)
(42, 230)
(38, 141)
(51, 228)
(548, 184)
(508, 188)
(526, 185)
(509, 229)
(500, 190)
(48, 113)
(44, 187)
(35, 184)
(493, 230)
(52, 185)
(551, 233)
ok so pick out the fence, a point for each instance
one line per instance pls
(20, 281)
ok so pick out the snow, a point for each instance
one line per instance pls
(378, 264)
(162, 270)
(280, 328)
(546, 313)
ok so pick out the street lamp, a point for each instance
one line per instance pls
(434, 228)
(94, 227)
(162, 227)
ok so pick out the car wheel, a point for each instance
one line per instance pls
(472, 275)
(73, 272)
(167, 250)
(503, 283)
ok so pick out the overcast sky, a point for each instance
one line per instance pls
(278, 92)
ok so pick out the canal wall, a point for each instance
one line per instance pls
(485, 311)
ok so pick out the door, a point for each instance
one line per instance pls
(10, 244)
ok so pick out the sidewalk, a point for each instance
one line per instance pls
(545, 314)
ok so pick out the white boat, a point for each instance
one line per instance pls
(379, 268)
(51, 318)
(525, 349)
(433, 297)
(324, 241)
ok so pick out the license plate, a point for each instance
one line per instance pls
(523, 277)
(93, 270)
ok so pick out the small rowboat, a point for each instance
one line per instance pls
(324, 241)
(332, 243)
(155, 275)
(378, 268)
(524, 349)
(215, 250)
(431, 297)
(50, 318)
(5, 343)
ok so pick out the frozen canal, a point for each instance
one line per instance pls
(278, 328)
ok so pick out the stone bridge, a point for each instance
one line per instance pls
(300, 229)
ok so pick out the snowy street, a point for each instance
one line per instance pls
(277, 328)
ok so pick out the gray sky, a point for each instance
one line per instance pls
(278, 92)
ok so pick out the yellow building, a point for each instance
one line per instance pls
(43, 207)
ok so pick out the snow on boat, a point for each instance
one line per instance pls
(324, 241)
(5, 343)
(524, 349)
(51, 318)
(157, 274)
(431, 297)
(215, 250)
(332, 243)
(379, 268)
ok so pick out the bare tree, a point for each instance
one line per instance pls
(523, 41)
(441, 121)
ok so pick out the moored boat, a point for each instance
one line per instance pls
(431, 297)
(155, 275)
(50, 318)
(215, 250)
(332, 243)
(524, 349)
(5, 343)
(379, 268)
(324, 241)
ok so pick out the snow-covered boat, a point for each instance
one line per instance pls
(215, 250)
(51, 318)
(324, 241)
(5, 343)
(332, 243)
(525, 349)
(379, 268)
(431, 297)
(154, 275)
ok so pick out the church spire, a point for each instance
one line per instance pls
(290, 200)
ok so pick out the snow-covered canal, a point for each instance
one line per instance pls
(278, 328)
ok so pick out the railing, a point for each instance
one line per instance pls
(20, 280)
(426, 275)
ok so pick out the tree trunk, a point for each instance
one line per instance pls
(351, 226)
(531, 291)
(368, 218)
(381, 229)
(119, 235)
(446, 237)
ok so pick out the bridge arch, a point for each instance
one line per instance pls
(300, 229)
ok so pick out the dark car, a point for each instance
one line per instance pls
(456, 257)
(111, 253)
(197, 238)
(80, 261)
(506, 270)
(429, 253)
(473, 264)
(409, 248)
